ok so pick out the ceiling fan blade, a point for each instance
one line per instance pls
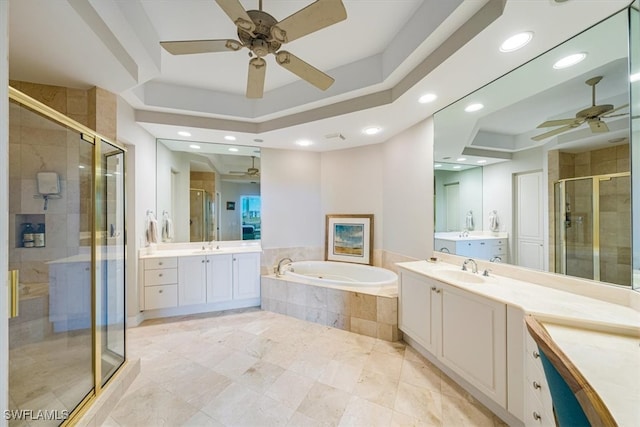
(188, 47)
(616, 109)
(553, 133)
(560, 122)
(304, 70)
(238, 15)
(255, 79)
(598, 126)
(316, 16)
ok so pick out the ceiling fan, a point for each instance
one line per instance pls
(592, 116)
(252, 171)
(262, 34)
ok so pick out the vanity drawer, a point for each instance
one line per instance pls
(160, 297)
(156, 263)
(163, 276)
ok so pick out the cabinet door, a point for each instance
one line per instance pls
(192, 276)
(219, 278)
(414, 312)
(473, 340)
(246, 276)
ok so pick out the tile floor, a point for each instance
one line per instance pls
(257, 368)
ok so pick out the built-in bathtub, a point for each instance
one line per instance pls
(353, 297)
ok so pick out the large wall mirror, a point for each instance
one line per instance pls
(207, 192)
(542, 172)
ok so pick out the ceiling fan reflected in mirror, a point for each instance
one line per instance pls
(252, 171)
(592, 116)
(262, 34)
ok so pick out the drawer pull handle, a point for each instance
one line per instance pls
(433, 288)
(202, 261)
(536, 416)
(536, 385)
(160, 275)
(536, 355)
(160, 263)
(160, 291)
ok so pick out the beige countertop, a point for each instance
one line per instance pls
(180, 250)
(601, 338)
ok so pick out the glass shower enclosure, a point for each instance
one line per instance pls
(67, 325)
(593, 227)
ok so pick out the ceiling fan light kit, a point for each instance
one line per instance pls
(262, 34)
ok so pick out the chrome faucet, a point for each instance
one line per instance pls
(278, 269)
(495, 259)
(474, 267)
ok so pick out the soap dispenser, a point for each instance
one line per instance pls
(27, 235)
(38, 236)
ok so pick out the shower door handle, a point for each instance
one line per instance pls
(14, 299)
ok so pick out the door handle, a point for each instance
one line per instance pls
(14, 280)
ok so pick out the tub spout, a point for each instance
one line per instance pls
(280, 269)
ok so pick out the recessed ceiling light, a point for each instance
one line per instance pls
(184, 133)
(194, 146)
(473, 107)
(371, 130)
(634, 77)
(304, 142)
(569, 61)
(457, 167)
(516, 41)
(426, 98)
(437, 165)
(482, 161)
(230, 138)
(461, 159)
(233, 149)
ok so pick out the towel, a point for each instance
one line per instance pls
(167, 229)
(494, 224)
(151, 229)
(469, 221)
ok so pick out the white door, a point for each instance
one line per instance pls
(219, 278)
(415, 315)
(246, 276)
(192, 276)
(529, 232)
(473, 340)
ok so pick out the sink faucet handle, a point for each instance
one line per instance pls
(486, 272)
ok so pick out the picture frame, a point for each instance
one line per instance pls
(349, 238)
(231, 206)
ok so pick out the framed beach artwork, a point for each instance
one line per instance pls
(349, 238)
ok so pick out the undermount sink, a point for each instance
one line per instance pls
(459, 276)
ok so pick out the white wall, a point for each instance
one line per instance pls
(291, 205)
(4, 212)
(175, 202)
(498, 188)
(141, 195)
(351, 183)
(408, 192)
(470, 181)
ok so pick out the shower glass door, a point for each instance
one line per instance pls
(593, 227)
(578, 225)
(50, 334)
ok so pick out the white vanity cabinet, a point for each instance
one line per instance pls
(218, 278)
(478, 248)
(464, 331)
(538, 409)
(160, 283)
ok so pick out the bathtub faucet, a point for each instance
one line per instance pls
(281, 264)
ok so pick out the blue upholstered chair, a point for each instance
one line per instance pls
(575, 402)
